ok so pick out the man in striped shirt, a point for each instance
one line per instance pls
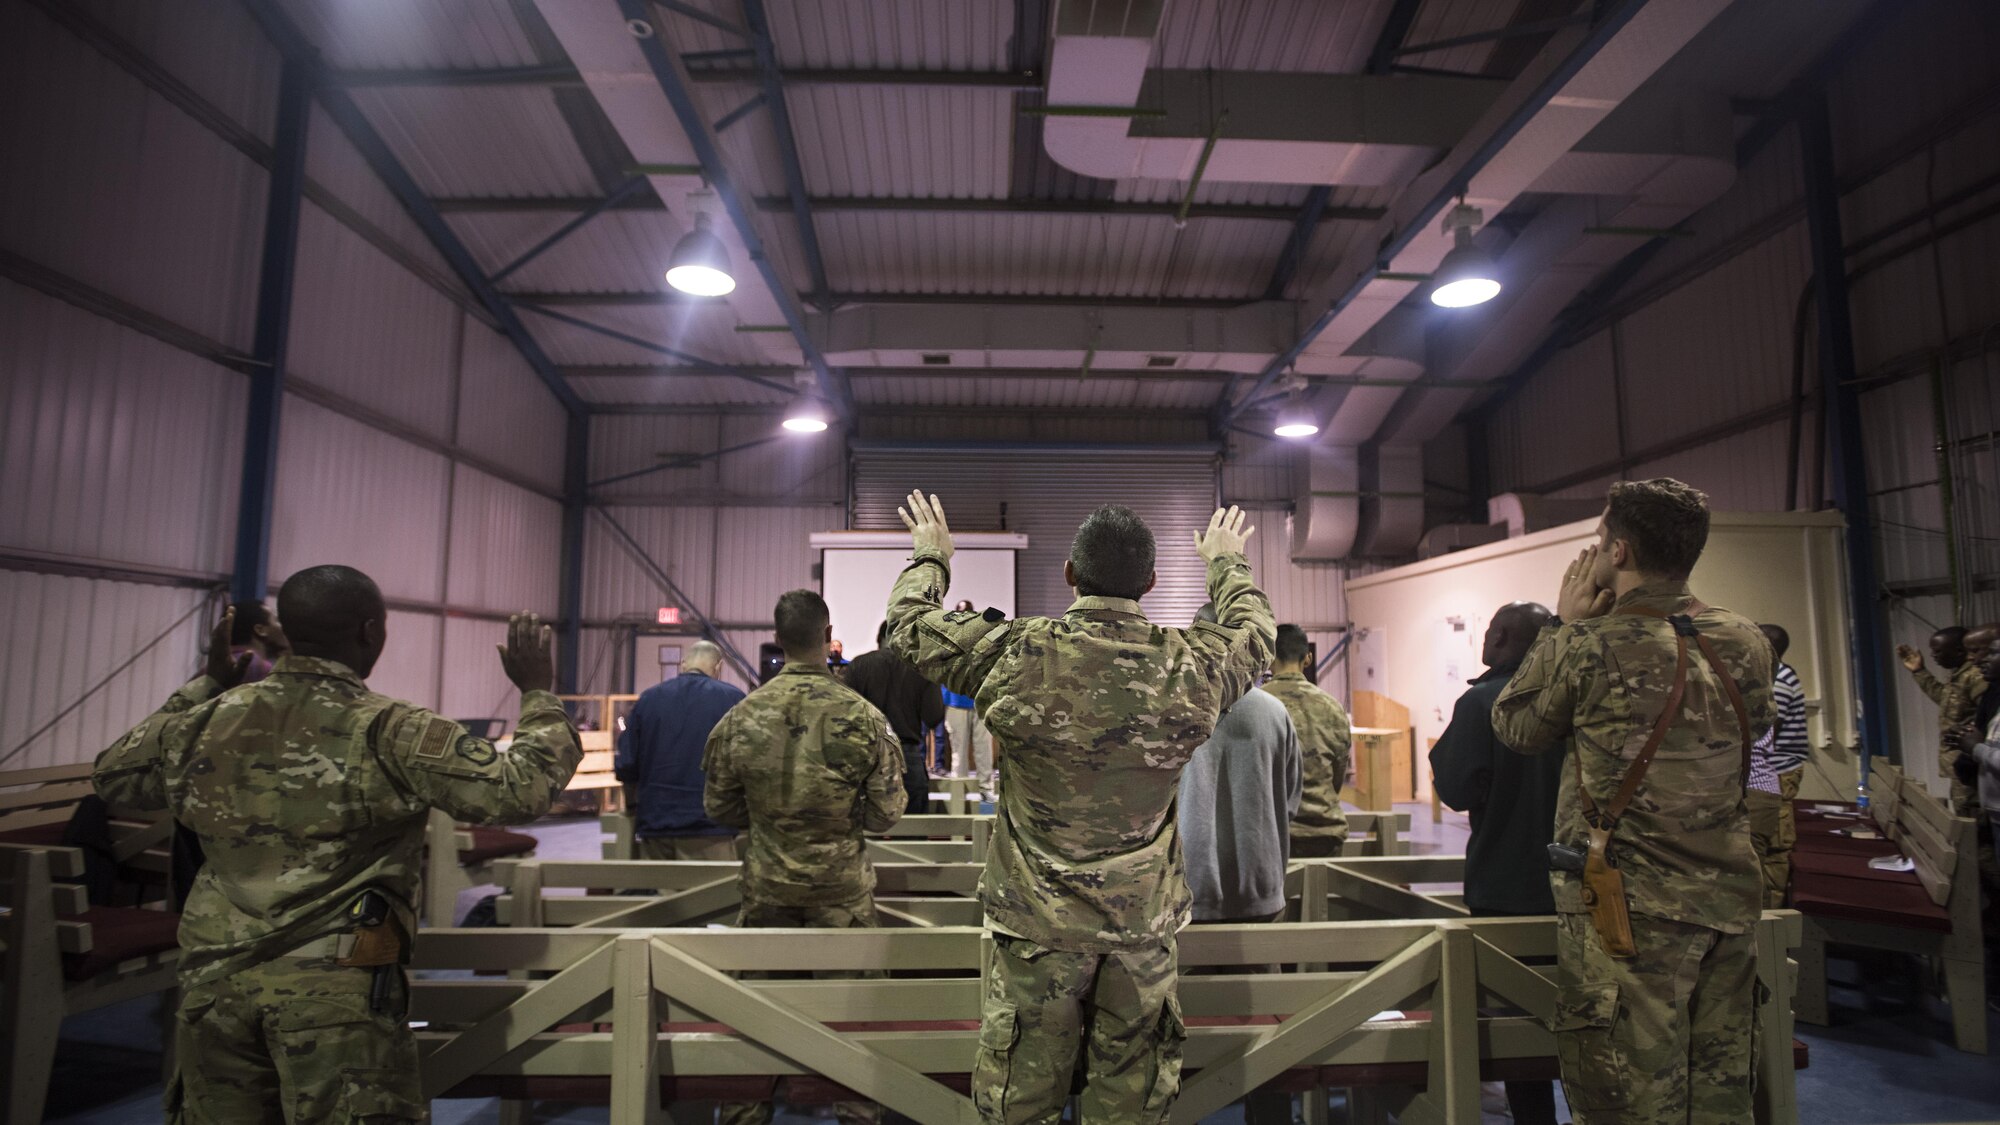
(1777, 765)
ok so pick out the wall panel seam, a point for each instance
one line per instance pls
(125, 314)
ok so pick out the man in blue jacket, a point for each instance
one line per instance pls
(659, 761)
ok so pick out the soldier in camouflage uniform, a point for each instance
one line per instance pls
(1957, 698)
(309, 794)
(806, 765)
(1326, 738)
(1664, 1035)
(1096, 713)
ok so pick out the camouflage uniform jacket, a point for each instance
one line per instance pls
(1958, 698)
(1095, 712)
(1684, 844)
(1325, 740)
(806, 765)
(306, 789)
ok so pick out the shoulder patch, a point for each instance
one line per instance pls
(478, 751)
(992, 615)
(960, 616)
(436, 739)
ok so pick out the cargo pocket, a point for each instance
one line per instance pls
(1593, 1066)
(1166, 1061)
(999, 1030)
(379, 1097)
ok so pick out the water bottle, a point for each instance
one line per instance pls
(1861, 795)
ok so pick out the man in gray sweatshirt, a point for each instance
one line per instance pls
(1238, 794)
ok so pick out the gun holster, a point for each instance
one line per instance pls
(378, 937)
(1604, 893)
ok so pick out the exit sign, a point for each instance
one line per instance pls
(670, 615)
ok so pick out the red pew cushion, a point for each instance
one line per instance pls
(120, 933)
(495, 843)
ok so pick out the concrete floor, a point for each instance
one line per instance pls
(1886, 1060)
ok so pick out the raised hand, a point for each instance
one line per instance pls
(1911, 658)
(1226, 534)
(925, 519)
(529, 654)
(1581, 597)
(221, 667)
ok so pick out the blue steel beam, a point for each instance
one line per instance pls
(741, 209)
(1295, 246)
(1395, 29)
(1616, 14)
(252, 579)
(788, 148)
(576, 499)
(299, 52)
(625, 191)
(340, 106)
(1867, 645)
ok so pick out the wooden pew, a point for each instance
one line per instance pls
(1931, 911)
(1418, 1010)
(36, 806)
(942, 837)
(60, 955)
(459, 857)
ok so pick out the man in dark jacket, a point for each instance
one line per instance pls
(912, 704)
(659, 761)
(1511, 800)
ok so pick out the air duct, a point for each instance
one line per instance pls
(1392, 500)
(1326, 515)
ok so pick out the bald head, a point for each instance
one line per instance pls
(1511, 631)
(335, 613)
(1780, 640)
(704, 657)
(1947, 646)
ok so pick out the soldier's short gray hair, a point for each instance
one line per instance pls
(1112, 554)
(703, 655)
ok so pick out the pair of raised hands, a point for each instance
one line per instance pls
(924, 516)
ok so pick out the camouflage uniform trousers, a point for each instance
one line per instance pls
(293, 1040)
(1773, 833)
(1318, 847)
(1965, 803)
(1043, 1006)
(763, 915)
(696, 849)
(1664, 1036)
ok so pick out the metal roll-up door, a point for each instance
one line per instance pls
(1047, 493)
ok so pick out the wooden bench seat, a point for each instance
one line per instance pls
(489, 844)
(1931, 910)
(59, 955)
(460, 857)
(667, 1020)
(109, 936)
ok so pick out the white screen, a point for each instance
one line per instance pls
(856, 583)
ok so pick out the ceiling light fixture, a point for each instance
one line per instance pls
(1295, 419)
(807, 415)
(700, 263)
(1467, 275)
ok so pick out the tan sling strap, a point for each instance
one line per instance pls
(1683, 624)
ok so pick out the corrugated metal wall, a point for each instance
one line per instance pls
(730, 564)
(123, 437)
(1693, 376)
